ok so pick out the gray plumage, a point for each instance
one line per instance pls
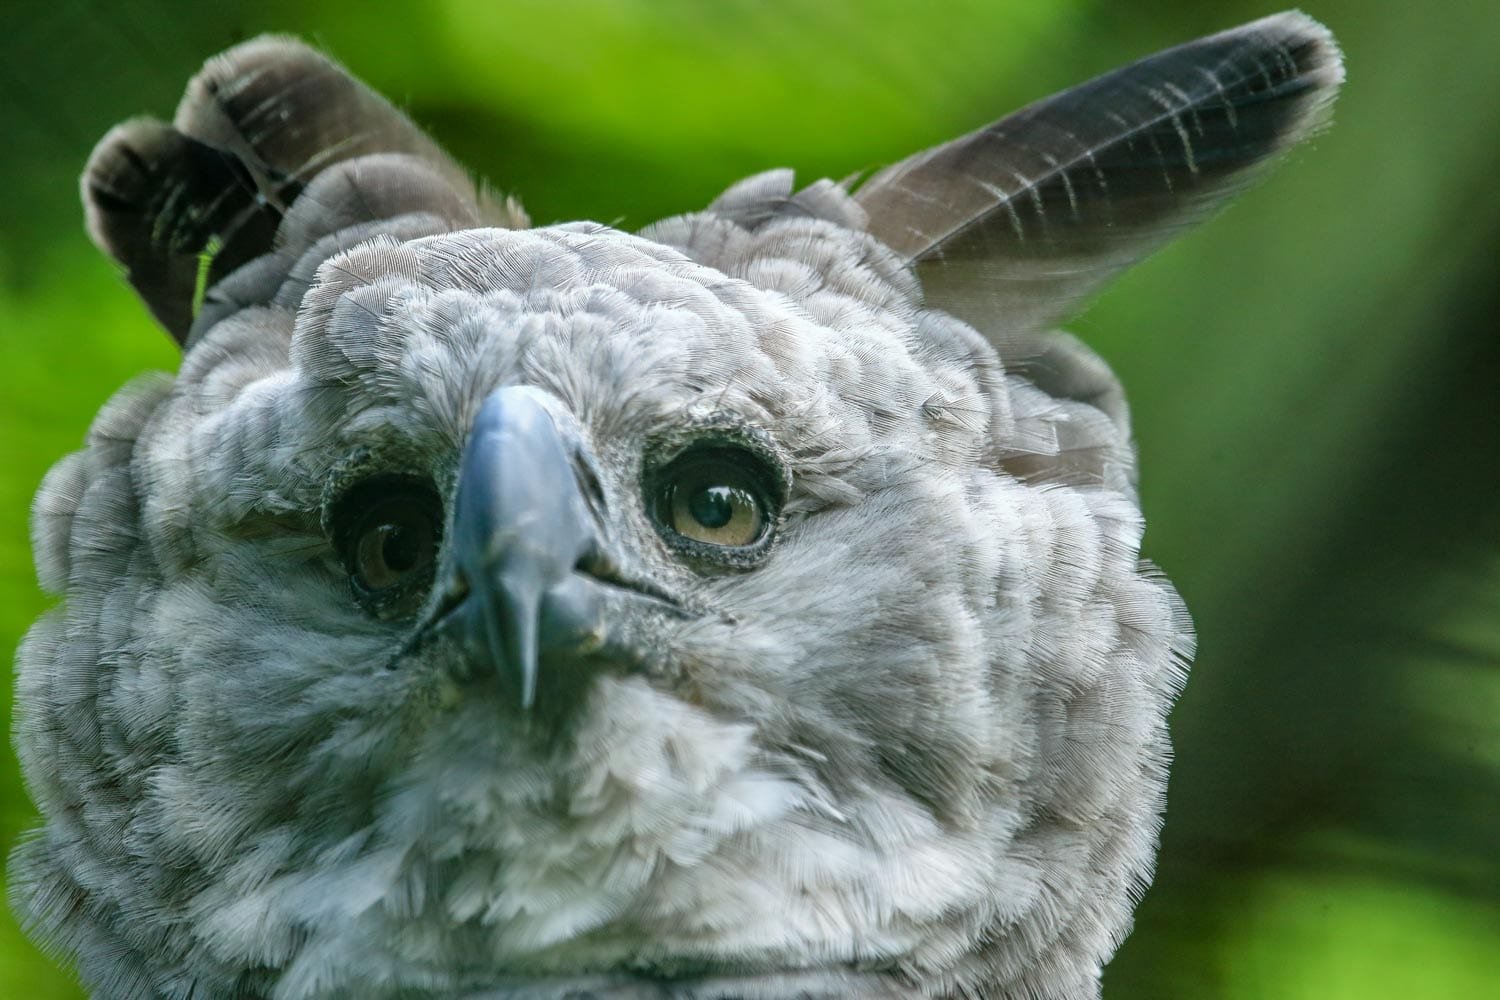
(404, 652)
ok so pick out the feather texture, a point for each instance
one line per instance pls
(1012, 226)
(917, 747)
(183, 206)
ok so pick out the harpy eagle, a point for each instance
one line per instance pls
(746, 607)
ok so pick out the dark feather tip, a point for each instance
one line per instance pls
(182, 206)
(1011, 226)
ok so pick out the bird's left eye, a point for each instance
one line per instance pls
(716, 513)
(714, 499)
(386, 531)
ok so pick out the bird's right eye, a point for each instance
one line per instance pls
(386, 531)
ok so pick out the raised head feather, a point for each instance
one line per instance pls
(271, 137)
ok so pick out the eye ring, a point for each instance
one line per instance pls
(716, 503)
(387, 530)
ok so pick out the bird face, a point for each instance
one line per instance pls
(485, 577)
(751, 607)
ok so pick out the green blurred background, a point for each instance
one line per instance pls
(1314, 378)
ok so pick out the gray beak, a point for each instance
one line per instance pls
(525, 533)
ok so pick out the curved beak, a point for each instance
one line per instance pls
(527, 519)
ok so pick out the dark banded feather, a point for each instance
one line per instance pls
(182, 206)
(1012, 226)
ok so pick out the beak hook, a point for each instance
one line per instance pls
(522, 526)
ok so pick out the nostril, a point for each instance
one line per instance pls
(456, 591)
(589, 485)
(595, 561)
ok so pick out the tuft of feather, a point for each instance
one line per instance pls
(1012, 226)
(268, 131)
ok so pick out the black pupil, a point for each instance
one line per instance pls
(712, 506)
(400, 546)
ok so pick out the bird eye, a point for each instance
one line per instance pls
(714, 497)
(386, 531)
